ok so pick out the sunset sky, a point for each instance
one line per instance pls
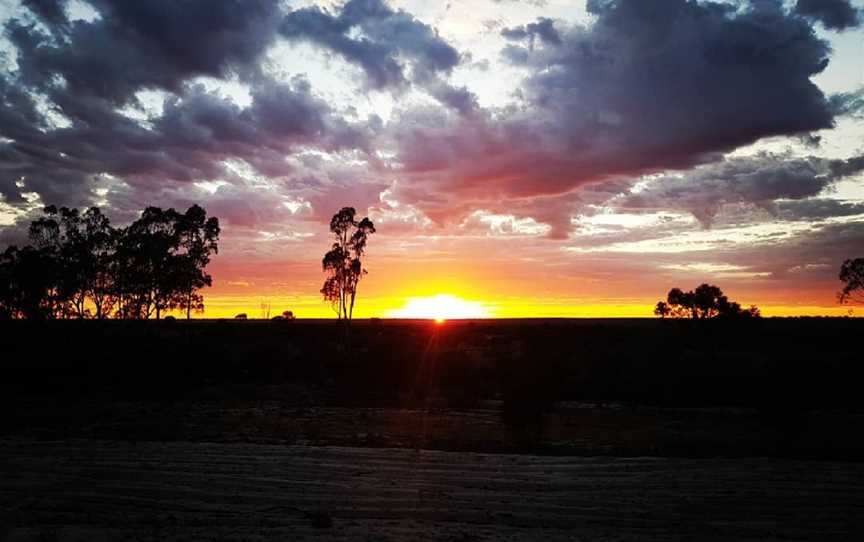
(518, 158)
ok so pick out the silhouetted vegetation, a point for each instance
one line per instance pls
(79, 266)
(852, 277)
(706, 301)
(343, 262)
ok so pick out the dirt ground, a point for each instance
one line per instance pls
(104, 490)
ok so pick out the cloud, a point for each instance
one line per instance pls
(196, 133)
(458, 98)
(647, 87)
(847, 103)
(664, 88)
(759, 180)
(819, 208)
(51, 12)
(135, 45)
(810, 259)
(544, 29)
(535, 3)
(834, 14)
(657, 84)
(67, 137)
(387, 39)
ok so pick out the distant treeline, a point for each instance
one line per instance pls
(79, 266)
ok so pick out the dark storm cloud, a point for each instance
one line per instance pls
(51, 12)
(544, 29)
(458, 98)
(197, 131)
(759, 180)
(135, 45)
(834, 14)
(667, 82)
(845, 168)
(847, 103)
(819, 208)
(648, 86)
(61, 132)
(387, 38)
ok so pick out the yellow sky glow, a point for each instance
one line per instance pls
(449, 307)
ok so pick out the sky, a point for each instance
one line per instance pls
(533, 158)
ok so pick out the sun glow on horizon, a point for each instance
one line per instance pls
(441, 307)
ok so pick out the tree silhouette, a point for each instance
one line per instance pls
(51, 236)
(198, 237)
(81, 247)
(148, 249)
(343, 262)
(29, 283)
(662, 309)
(162, 258)
(705, 302)
(78, 261)
(101, 243)
(852, 276)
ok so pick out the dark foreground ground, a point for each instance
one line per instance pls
(562, 429)
(101, 490)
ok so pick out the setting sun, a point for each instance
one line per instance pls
(440, 307)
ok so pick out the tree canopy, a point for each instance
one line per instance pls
(343, 262)
(706, 301)
(79, 266)
(852, 277)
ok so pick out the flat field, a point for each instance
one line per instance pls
(526, 429)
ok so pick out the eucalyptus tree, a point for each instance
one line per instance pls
(27, 282)
(343, 263)
(163, 255)
(852, 277)
(145, 258)
(197, 239)
(55, 238)
(100, 240)
(78, 261)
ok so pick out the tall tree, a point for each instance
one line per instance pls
(100, 240)
(81, 247)
(51, 236)
(198, 237)
(343, 262)
(146, 263)
(852, 276)
(28, 286)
